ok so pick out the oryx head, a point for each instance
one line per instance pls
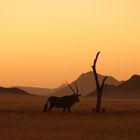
(75, 94)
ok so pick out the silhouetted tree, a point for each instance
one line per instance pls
(99, 88)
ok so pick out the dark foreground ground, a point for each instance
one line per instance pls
(21, 118)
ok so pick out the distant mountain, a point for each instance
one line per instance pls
(128, 89)
(86, 84)
(132, 84)
(40, 91)
(4, 90)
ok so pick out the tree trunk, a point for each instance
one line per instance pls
(98, 104)
(99, 88)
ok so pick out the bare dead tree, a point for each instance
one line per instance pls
(99, 88)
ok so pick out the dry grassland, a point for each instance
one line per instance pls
(21, 118)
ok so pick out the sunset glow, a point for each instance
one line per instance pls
(43, 42)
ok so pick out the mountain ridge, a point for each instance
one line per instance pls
(12, 90)
(86, 84)
(39, 90)
(128, 89)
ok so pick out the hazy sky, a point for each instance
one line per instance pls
(45, 42)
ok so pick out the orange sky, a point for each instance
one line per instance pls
(43, 42)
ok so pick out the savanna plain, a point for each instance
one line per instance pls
(22, 118)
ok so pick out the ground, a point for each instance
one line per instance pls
(22, 118)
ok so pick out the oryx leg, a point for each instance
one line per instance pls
(69, 109)
(45, 108)
(64, 109)
(50, 107)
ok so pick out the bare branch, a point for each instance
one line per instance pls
(97, 55)
(103, 83)
(94, 70)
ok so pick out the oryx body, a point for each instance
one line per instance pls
(65, 102)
